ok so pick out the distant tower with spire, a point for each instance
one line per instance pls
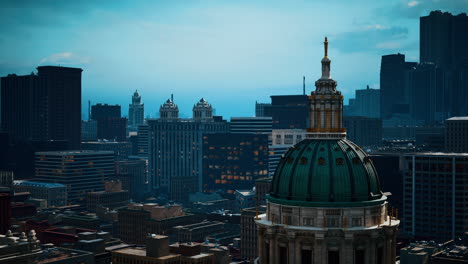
(136, 112)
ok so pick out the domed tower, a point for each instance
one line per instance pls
(136, 98)
(169, 111)
(202, 111)
(325, 205)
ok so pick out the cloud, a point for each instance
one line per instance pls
(65, 58)
(372, 38)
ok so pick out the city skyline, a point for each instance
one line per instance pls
(219, 51)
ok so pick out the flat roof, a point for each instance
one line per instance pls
(38, 184)
(74, 152)
(464, 118)
(443, 154)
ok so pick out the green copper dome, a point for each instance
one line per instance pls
(326, 172)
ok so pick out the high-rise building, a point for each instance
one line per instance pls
(80, 171)
(89, 130)
(364, 131)
(456, 134)
(260, 109)
(256, 125)
(175, 151)
(104, 111)
(443, 39)
(143, 140)
(393, 89)
(202, 111)
(434, 200)
(325, 205)
(366, 103)
(136, 112)
(288, 111)
(46, 106)
(121, 149)
(134, 177)
(428, 95)
(281, 140)
(248, 233)
(233, 161)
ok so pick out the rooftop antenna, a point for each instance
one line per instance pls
(172, 97)
(303, 85)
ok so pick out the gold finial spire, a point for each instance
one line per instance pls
(325, 43)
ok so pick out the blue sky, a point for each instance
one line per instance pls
(232, 53)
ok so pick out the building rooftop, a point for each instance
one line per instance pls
(38, 184)
(435, 154)
(74, 152)
(456, 118)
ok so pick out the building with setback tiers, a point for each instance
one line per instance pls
(80, 171)
(176, 148)
(326, 205)
(136, 112)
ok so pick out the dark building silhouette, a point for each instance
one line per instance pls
(43, 106)
(443, 42)
(250, 125)
(428, 98)
(260, 109)
(393, 90)
(103, 111)
(366, 103)
(390, 176)
(287, 111)
(456, 134)
(5, 208)
(112, 129)
(233, 161)
(110, 124)
(443, 39)
(365, 131)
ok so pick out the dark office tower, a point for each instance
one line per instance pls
(23, 107)
(456, 134)
(443, 39)
(393, 90)
(134, 177)
(260, 109)
(365, 131)
(103, 111)
(428, 96)
(81, 171)
(288, 111)
(366, 103)
(142, 141)
(46, 106)
(233, 161)
(175, 151)
(251, 125)
(5, 208)
(434, 195)
(112, 129)
(64, 103)
(136, 112)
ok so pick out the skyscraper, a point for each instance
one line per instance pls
(325, 204)
(81, 171)
(250, 125)
(136, 112)
(175, 150)
(105, 111)
(366, 103)
(46, 106)
(434, 195)
(443, 39)
(393, 88)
